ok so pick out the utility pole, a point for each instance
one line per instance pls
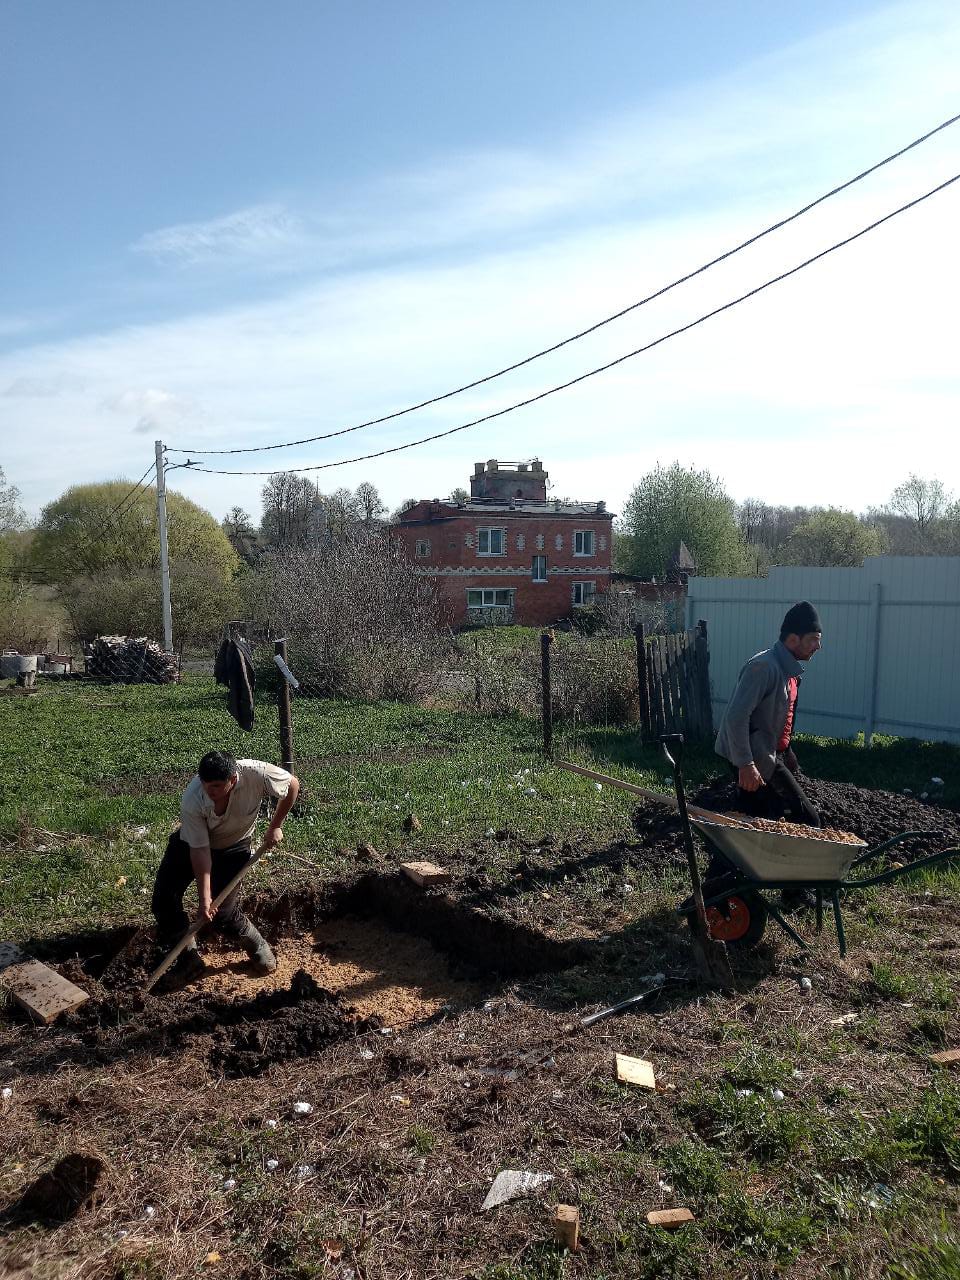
(164, 556)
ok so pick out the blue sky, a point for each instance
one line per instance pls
(233, 223)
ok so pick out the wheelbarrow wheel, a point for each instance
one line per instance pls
(738, 920)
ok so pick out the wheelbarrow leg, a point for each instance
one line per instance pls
(787, 928)
(841, 936)
(819, 893)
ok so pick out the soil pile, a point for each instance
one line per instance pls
(874, 816)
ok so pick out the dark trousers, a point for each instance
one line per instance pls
(781, 797)
(174, 877)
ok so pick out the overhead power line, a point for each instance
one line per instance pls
(583, 333)
(592, 373)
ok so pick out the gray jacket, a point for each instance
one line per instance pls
(757, 710)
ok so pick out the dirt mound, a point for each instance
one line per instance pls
(874, 816)
(241, 1037)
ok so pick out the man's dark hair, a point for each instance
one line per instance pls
(217, 766)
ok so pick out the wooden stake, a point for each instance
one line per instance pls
(566, 1226)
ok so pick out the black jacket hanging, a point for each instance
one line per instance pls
(234, 668)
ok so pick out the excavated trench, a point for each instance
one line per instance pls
(354, 956)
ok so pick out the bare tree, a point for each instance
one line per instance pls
(922, 502)
(360, 622)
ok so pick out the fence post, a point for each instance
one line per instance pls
(703, 677)
(546, 640)
(643, 689)
(873, 663)
(283, 704)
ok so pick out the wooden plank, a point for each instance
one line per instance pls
(635, 1071)
(660, 704)
(643, 688)
(676, 684)
(425, 873)
(566, 1226)
(43, 992)
(947, 1058)
(669, 1219)
(693, 705)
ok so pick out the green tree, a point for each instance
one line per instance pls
(832, 537)
(671, 505)
(83, 532)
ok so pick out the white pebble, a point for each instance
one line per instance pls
(598, 786)
(806, 984)
(366, 1054)
(489, 833)
(7, 1092)
(305, 1170)
(302, 1108)
(273, 1164)
(123, 1232)
(229, 1184)
(776, 1095)
(271, 1124)
(628, 888)
(744, 1093)
(149, 1211)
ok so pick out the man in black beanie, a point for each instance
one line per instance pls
(757, 725)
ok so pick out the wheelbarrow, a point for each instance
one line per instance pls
(746, 862)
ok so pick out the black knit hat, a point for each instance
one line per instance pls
(800, 620)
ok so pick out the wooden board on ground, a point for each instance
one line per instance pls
(43, 992)
(635, 1071)
(425, 873)
(947, 1058)
(669, 1219)
(566, 1226)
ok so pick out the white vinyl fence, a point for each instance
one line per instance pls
(890, 661)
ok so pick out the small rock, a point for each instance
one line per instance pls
(777, 1095)
(744, 1093)
(305, 1170)
(229, 1184)
(273, 1164)
(6, 1093)
(149, 1211)
(598, 786)
(489, 833)
(806, 984)
(302, 1108)
(366, 1054)
(271, 1124)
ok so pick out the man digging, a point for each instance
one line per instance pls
(218, 814)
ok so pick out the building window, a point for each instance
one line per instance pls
(583, 593)
(490, 598)
(539, 571)
(583, 540)
(490, 542)
(423, 549)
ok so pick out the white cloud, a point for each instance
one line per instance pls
(55, 384)
(155, 410)
(260, 231)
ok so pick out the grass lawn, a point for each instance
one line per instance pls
(806, 1128)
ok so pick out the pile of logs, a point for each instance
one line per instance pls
(131, 661)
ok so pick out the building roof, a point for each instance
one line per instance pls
(515, 507)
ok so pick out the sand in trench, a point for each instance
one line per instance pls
(399, 977)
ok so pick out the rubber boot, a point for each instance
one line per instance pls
(188, 966)
(256, 947)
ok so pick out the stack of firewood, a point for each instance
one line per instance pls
(131, 661)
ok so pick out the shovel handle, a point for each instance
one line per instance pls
(195, 928)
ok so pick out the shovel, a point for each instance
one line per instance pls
(195, 928)
(710, 955)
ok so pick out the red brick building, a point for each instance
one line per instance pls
(508, 553)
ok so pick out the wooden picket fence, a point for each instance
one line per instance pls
(673, 680)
